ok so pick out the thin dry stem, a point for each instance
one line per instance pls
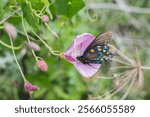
(122, 86)
(145, 68)
(120, 67)
(122, 55)
(120, 61)
(129, 88)
(126, 80)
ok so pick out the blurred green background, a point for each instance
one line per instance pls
(128, 19)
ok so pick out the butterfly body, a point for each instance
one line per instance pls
(98, 51)
(83, 60)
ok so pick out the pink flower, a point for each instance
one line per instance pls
(42, 65)
(33, 46)
(11, 30)
(29, 87)
(77, 49)
(45, 18)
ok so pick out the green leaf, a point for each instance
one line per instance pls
(36, 4)
(21, 1)
(51, 10)
(1, 11)
(45, 2)
(16, 20)
(68, 7)
(27, 13)
(3, 3)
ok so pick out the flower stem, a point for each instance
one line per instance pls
(103, 77)
(22, 33)
(120, 67)
(6, 18)
(122, 55)
(53, 32)
(145, 68)
(129, 88)
(8, 46)
(28, 37)
(48, 41)
(119, 61)
(43, 10)
(16, 60)
(50, 49)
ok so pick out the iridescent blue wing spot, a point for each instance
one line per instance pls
(102, 54)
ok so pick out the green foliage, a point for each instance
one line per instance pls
(68, 7)
(27, 13)
(62, 81)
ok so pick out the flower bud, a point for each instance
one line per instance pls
(29, 87)
(23, 52)
(45, 18)
(42, 65)
(55, 34)
(33, 46)
(11, 30)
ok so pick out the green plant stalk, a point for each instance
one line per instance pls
(53, 32)
(16, 60)
(8, 46)
(50, 49)
(43, 10)
(6, 18)
(28, 37)
(48, 41)
(22, 33)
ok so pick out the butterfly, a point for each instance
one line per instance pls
(98, 50)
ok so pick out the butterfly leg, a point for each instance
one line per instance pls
(93, 66)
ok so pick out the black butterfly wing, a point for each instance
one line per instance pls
(101, 39)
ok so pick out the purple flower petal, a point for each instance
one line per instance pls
(87, 70)
(29, 87)
(77, 49)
